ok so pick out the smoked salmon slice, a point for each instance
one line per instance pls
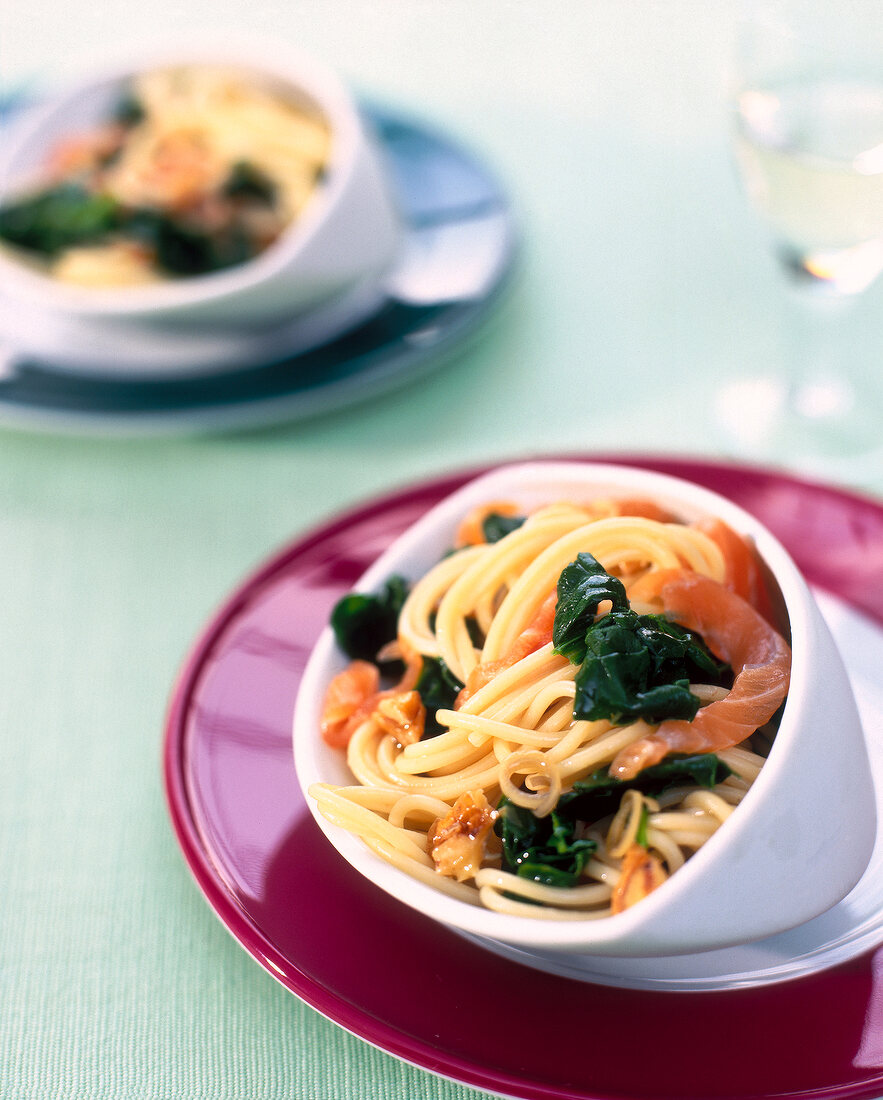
(353, 694)
(645, 509)
(347, 701)
(535, 635)
(735, 632)
(744, 576)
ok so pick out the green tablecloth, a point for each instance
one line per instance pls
(644, 290)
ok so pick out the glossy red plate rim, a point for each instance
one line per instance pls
(820, 1036)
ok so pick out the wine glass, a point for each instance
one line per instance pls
(808, 139)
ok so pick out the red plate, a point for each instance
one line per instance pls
(416, 990)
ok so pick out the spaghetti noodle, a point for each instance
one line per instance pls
(533, 758)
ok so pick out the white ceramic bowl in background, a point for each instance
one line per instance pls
(340, 246)
(797, 844)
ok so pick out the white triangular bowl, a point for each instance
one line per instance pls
(796, 845)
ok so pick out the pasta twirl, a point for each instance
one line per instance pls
(576, 714)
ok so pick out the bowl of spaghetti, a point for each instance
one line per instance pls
(210, 185)
(588, 708)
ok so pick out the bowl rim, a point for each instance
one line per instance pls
(279, 63)
(612, 934)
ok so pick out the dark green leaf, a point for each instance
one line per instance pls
(643, 825)
(548, 850)
(599, 794)
(177, 250)
(364, 623)
(184, 249)
(495, 526)
(582, 586)
(476, 634)
(640, 666)
(438, 688)
(248, 182)
(59, 218)
(129, 111)
(543, 849)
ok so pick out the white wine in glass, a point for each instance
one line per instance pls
(807, 103)
(811, 153)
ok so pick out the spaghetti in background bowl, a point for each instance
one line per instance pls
(337, 245)
(796, 844)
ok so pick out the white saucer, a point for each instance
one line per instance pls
(140, 352)
(847, 930)
(458, 249)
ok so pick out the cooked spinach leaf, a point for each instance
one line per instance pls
(248, 182)
(495, 526)
(364, 623)
(438, 688)
(631, 666)
(548, 849)
(643, 826)
(543, 849)
(640, 666)
(599, 794)
(582, 586)
(69, 215)
(184, 249)
(59, 218)
(476, 634)
(128, 111)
